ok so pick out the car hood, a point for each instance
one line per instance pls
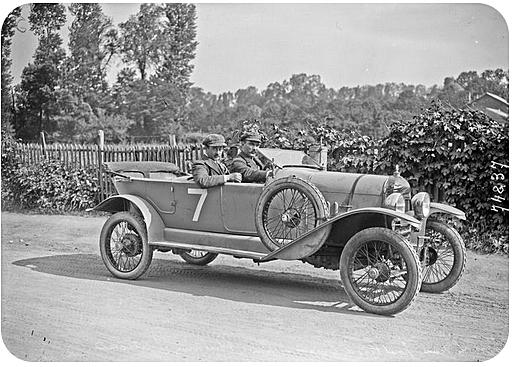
(355, 189)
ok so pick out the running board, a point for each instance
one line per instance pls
(218, 250)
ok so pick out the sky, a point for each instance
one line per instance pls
(242, 44)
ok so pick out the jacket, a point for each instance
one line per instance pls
(251, 169)
(209, 173)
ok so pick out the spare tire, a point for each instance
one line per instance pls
(287, 209)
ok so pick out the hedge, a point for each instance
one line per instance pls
(48, 187)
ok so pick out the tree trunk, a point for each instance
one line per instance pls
(40, 119)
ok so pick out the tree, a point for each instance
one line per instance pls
(497, 82)
(40, 79)
(141, 39)
(92, 44)
(159, 42)
(8, 29)
(46, 19)
(179, 45)
(471, 83)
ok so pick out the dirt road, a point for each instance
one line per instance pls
(59, 303)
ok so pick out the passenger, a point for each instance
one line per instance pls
(246, 163)
(231, 153)
(210, 171)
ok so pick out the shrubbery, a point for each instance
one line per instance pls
(49, 187)
(461, 151)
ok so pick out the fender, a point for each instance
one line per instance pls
(153, 221)
(444, 208)
(384, 211)
(290, 249)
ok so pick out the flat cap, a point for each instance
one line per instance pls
(251, 136)
(214, 140)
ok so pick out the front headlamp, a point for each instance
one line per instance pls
(421, 204)
(396, 202)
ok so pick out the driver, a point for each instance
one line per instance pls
(246, 163)
(210, 171)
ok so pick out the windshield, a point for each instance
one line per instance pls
(284, 157)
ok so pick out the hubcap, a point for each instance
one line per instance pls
(130, 243)
(373, 273)
(380, 272)
(291, 218)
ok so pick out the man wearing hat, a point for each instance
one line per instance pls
(210, 171)
(246, 163)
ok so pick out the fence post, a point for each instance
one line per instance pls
(43, 144)
(172, 140)
(100, 152)
(436, 193)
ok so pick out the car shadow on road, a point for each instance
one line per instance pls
(233, 283)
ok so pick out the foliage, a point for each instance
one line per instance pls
(37, 92)
(180, 45)
(490, 242)
(92, 43)
(8, 30)
(367, 109)
(46, 18)
(494, 81)
(454, 149)
(10, 162)
(155, 106)
(48, 187)
(160, 42)
(141, 39)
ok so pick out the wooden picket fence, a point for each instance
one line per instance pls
(95, 155)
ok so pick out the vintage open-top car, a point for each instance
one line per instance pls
(386, 244)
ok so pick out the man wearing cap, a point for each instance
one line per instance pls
(246, 163)
(210, 171)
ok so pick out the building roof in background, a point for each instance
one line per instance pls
(493, 106)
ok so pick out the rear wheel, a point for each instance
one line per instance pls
(380, 271)
(123, 246)
(198, 257)
(446, 257)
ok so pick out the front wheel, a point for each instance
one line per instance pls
(197, 257)
(123, 245)
(446, 257)
(380, 271)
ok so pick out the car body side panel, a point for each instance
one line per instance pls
(180, 203)
(183, 204)
(238, 204)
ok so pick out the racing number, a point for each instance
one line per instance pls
(203, 193)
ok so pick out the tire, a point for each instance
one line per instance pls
(288, 208)
(380, 271)
(123, 245)
(446, 257)
(197, 257)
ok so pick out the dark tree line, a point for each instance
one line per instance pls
(68, 97)
(367, 109)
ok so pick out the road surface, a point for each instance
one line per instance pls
(59, 303)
